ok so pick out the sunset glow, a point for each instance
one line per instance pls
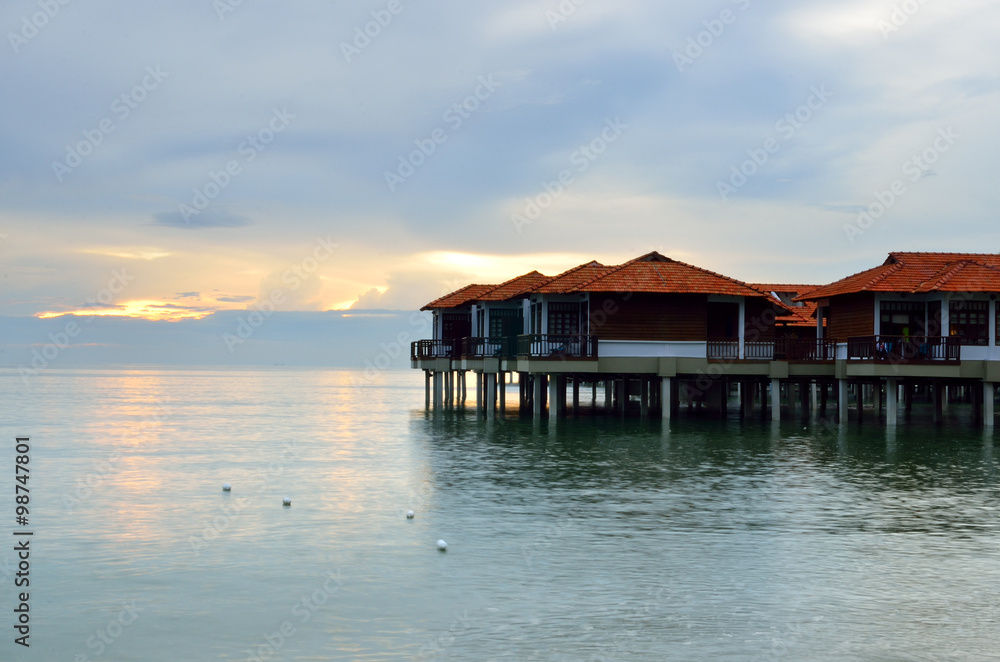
(144, 309)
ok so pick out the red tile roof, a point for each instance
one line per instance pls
(568, 280)
(803, 315)
(918, 273)
(658, 274)
(650, 273)
(516, 287)
(459, 298)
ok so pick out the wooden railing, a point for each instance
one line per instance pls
(724, 349)
(780, 349)
(758, 350)
(904, 349)
(489, 348)
(557, 346)
(435, 349)
(804, 349)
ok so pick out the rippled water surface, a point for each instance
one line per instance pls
(593, 539)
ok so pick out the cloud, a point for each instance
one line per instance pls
(208, 218)
(372, 299)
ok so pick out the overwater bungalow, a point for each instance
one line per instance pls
(658, 334)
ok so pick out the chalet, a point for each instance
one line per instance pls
(655, 331)
(926, 318)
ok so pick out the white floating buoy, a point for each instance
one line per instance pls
(409, 514)
(442, 545)
(286, 501)
(226, 487)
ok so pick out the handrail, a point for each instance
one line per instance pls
(557, 346)
(904, 349)
(434, 349)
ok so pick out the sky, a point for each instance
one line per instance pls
(191, 163)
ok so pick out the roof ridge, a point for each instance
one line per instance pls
(514, 280)
(944, 274)
(592, 263)
(637, 260)
(893, 268)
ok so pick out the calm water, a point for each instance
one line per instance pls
(590, 540)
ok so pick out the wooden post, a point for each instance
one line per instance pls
(643, 398)
(502, 392)
(891, 401)
(438, 390)
(427, 389)
(666, 384)
(775, 399)
(536, 398)
(479, 392)
(988, 405)
(576, 395)
(491, 395)
(553, 397)
(842, 400)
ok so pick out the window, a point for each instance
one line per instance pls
(902, 318)
(968, 320)
(506, 322)
(455, 325)
(564, 318)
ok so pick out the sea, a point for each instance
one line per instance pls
(587, 539)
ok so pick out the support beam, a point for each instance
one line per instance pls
(643, 397)
(479, 392)
(438, 390)
(842, 400)
(988, 405)
(491, 394)
(536, 395)
(553, 397)
(427, 389)
(666, 385)
(775, 399)
(891, 401)
(576, 395)
(938, 396)
(502, 393)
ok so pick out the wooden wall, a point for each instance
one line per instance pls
(678, 317)
(760, 319)
(851, 315)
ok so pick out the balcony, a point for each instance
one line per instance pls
(804, 350)
(795, 350)
(422, 350)
(557, 347)
(905, 349)
(489, 348)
